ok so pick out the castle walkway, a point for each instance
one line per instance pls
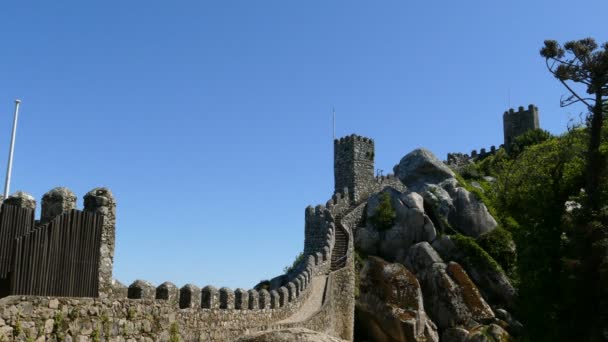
(312, 305)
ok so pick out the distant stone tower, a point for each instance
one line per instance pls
(518, 123)
(353, 165)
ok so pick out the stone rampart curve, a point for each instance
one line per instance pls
(143, 310)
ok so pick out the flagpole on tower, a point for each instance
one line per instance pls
(11, 150)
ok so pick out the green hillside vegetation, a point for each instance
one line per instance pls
(532, 184)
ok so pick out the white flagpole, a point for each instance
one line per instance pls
(12, 148)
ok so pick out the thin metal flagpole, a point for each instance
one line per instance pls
(11, 150)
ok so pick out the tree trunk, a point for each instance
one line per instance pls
(595, 163)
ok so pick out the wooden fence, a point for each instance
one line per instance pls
(59, 258)
(14, 222)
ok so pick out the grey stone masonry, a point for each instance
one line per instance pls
(264, 302)
(21, 199)
(101, 200)
(353, 165)
(274, 299)
(254, 299)
(226, 298)
(241, 299)
(317, 222)
(211, 297)
(189, 297)
(518, 123)
(141, 289)
(55, 202)
(167, 291)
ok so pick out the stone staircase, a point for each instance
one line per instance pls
(338, 254)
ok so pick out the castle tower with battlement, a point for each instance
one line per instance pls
(518, 123)
(353, 166)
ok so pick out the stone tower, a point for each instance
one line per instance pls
(353, 165)
(518, 123)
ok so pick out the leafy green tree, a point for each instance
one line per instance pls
(530, 138)
(532, 188)
(581, 63)
(385, 215)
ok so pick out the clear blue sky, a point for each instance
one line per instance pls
(210, 120)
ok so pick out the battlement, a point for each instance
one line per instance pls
(516, 123)
(89, 233)
(353, 165)
(353, 138)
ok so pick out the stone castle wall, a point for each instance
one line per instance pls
(353, 165)
(518, 123)
(515, 123)
(143, 312)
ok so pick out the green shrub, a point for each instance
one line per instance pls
(500, 246)
(299, 258)
(475, 256)
(470, 171)
(530, 138)
(384, 217)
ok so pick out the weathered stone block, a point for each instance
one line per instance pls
(318, 258)
(226, 298)
(241, 299)
(326, 253)
(264, 302)
(167, 291)
(101, 201)
(311, 261)
(21, 199)
(55, 202)
(274, 299)
(298, 285)
(291, 287)
(283, 296)
(210, 297)
(302, 280)
(141, 289)
(119, 290)
(189, 297)
(254, 299)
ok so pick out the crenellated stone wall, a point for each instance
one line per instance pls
(312, 295)
(144, 312)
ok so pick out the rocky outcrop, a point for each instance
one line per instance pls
(489, 333)
(451, 298)
(390, 305)
(492, 281)
(411, 225)
(421, 167)
(290, 335)
(471, 216)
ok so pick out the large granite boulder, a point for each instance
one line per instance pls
(480, 333)
(450, 297)
(454, 207)
(290, 335)
(470, 216)
(411, 225)
(421, 167)
(491, 280)
(390, 305)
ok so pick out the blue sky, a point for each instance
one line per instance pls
(211, 122)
